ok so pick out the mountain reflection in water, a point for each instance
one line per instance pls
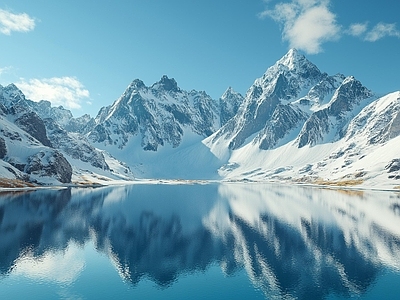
(296, 242)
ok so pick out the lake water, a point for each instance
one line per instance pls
(214, 241)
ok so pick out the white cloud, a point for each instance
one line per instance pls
(382, 30)
(357, 29)
(65, 91)
(307, 24)
(15, 22)
(5, 70)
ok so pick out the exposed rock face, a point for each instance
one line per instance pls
(314, 129)
(82, 124)
(75, 145)
(45, 110)
(336, 116)
(59, 114)
(378, 122)
(9, 96)
(394, 129)
(349, 94)
(229, 105)
(167, 84)
(393, 166)
(13, 103)
(50, 164)
(34, 125)
(3, 148)
(284, 119)
(322, 92)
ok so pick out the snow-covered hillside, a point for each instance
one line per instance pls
(26, 158)
(158, 130)
(36, 149)
(295, 123)
(298, 124)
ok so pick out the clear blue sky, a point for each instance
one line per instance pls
(83, 54)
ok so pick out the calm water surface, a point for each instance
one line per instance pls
(233, 241)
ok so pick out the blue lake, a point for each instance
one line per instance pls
(212, 241)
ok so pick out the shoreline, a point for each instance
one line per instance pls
(331, 185)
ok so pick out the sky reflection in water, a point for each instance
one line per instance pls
(206, 241)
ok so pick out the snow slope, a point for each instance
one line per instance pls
(368, 152)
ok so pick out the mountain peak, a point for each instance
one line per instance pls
(13, 93)
(292, 64)
(292, 59)
(293, 52)
(137, 84)
(294, 67)
(12, 88)
(167, 84)
(229, 91)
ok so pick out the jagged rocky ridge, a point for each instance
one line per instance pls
(27, 153)
(159, 115)
(35, 147)
(294, 93)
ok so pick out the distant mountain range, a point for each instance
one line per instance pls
(295, 123)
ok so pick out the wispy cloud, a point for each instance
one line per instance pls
(379, 31)
(5, 70)
(65, 91)
(15, 22)
(382, 30)
(357, 29)
(307, 24)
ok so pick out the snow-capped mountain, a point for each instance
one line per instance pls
(292, 124)
(299, 124)
(158, 115)
(26, 151)
(158, 129)
(35, 147)
(293, 98)
(295, 123)
(286, 81)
